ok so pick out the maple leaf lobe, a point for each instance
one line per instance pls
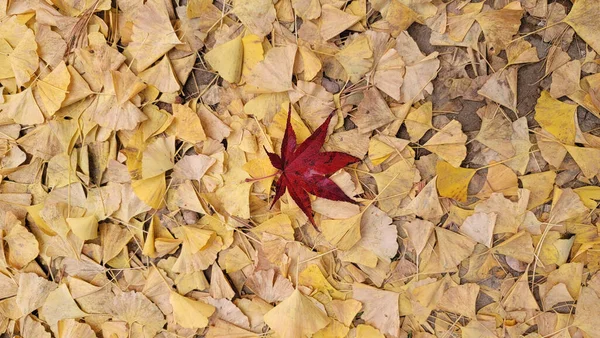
(305, 169)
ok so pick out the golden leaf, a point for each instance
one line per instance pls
(229, 68)
(257, 16)
(296, 316)
(499, 26)
(161, 76)
(356, 57)
(453, 182)
(582, 18)
(53, 88)
(556, 117)
(334, 21)
(152, 35)
(274, 73)
(449, 143)
(60, 305)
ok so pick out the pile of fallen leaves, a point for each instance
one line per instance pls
(153, 186)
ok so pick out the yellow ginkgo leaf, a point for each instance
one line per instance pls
(389, 73)
(134, 307)
(496, 131)
(32, 292)
(379, 151)
(586, 159)
(501, 87)
(266, 104)
(587, 317)
(310, 62)
(297, 316)
(418, 232)
(312, 276)
(356, 57)
(499, 26)
(449, 143)
(420, 70)
(158, 157)
(460, 299)
(187, 124)
(152, 35)
(459, 25)
(278, 225)
(500, 178)
(519, 246)
(397, 16)
(34, 213)
(270, 286)
(452, 248)
(161, 76)
(151, 190)
(24, 58)
(373, 112)
(261, 168)
(149, 249)
(78, 88)
(453, 182)
(22, 108)
(195, 239)
(230, 67)
(253, 53)
(381, 308)
(334, 21)
(342, 233)
(70, 328)
(84, 227)
(53, 88)
(427, 203)
(60, 305)
(190, 313)
(556, 117)
(521, 51)
(589, 195)
(307, 9)
(520, 296)
(551, 149)
(274, 73)
(540, 185)
(394, 183)
(113, 238)
(364, 331)
(6, 71)
(583, 18)
(236, 191)
(418, 121)
(521, 143)
(22, 245)
(236, 259)
(256, 15)
(277, 127)
(480, 227)
(334, 329)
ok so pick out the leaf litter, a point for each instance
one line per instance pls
(299, 168)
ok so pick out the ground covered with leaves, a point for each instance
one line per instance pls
(164, 174)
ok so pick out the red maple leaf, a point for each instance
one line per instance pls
(304, 169)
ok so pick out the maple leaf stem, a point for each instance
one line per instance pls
(262, 178)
